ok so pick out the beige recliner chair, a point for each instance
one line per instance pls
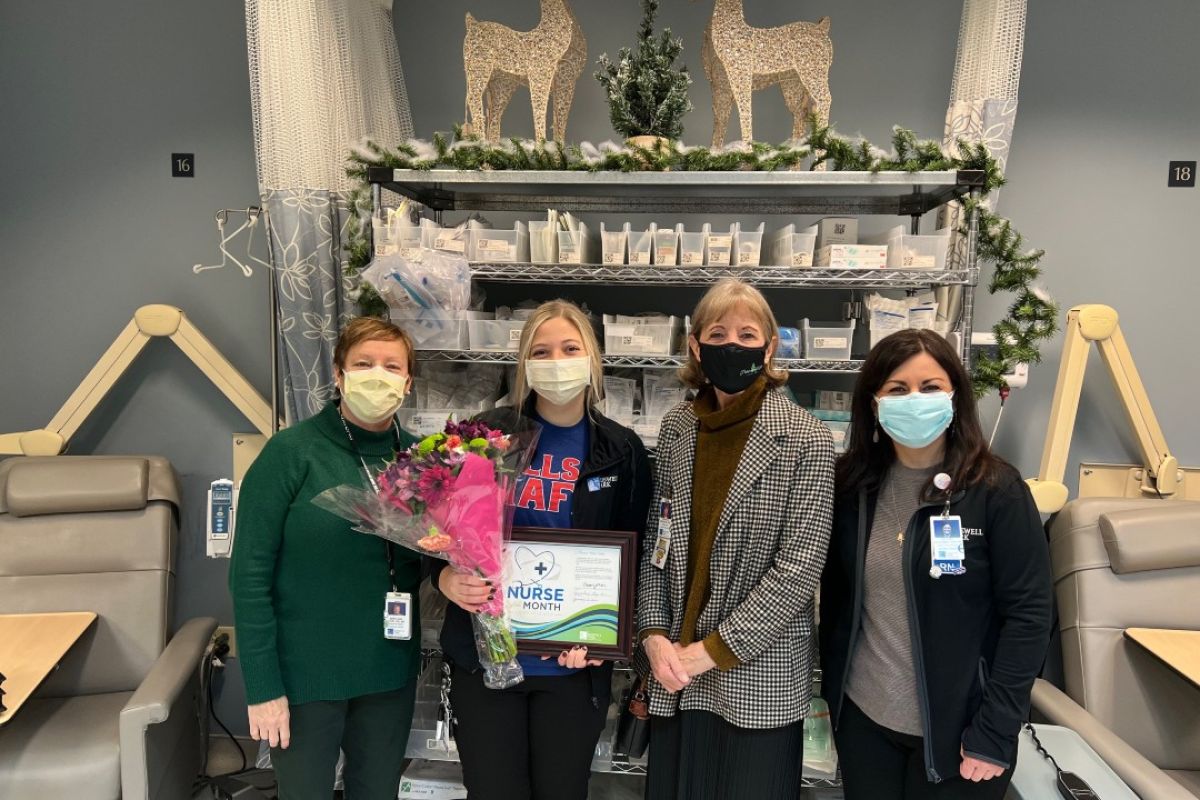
(119, 718)
(1120, 564)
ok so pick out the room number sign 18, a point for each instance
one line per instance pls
(1182, 173)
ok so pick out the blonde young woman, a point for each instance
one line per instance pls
(733, 556)
(308, 592)
(536, 739)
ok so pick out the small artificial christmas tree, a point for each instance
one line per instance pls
(647, 95)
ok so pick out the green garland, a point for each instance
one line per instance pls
(1032, 317)
(465, 151)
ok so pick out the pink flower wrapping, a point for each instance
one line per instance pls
(448, 496)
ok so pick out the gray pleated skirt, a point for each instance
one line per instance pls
(697, 755)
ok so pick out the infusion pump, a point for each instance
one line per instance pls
(222, 506)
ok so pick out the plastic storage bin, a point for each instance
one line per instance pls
(496, 335)
(693, 247)
(840, 432)
(450, 240)
(576, 247)
(913, 251)
(719, 248)
(631, 338)
(499, 246)
(827, 341)
(612, 244)
(641, 246)
(909, 251)
(747, 246)
(543, 242)
(437, 329)
(792, 249)
(666, 246)
(395, 233)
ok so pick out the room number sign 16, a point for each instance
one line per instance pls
(1182, 173)
(183, 165)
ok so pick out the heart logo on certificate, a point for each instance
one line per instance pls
(533, 567)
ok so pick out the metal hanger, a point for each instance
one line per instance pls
(253, 214)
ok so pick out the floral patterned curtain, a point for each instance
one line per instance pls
(308, 229)
(324, 74)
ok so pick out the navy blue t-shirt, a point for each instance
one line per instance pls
(545, 495)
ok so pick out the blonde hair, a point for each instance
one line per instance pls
(724, 296)
(372, 329)
(559, 309)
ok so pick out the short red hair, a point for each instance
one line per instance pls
(371, 329)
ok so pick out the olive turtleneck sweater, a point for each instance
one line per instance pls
(719, 444)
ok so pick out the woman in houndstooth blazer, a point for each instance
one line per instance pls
(734, 552)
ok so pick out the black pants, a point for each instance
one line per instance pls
(373, 732)
(697, 755)
(534, 741)
(880, 763)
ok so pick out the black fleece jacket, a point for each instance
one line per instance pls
(979, 639)
(616, 505)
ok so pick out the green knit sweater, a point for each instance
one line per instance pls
(308, 591)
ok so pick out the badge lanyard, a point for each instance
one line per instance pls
(366, 470)
(946, 552)
(397, 605)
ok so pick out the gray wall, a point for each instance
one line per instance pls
(96, 97)
(1108, 96)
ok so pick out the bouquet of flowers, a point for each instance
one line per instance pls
(448, 496)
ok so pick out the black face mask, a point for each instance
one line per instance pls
(731, 367)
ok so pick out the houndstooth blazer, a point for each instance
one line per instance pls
(767, 558)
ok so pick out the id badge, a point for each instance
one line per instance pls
(397, 616)
(662, 543)
(946, 546)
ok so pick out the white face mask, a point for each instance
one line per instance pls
(559, 380)
(373, 394)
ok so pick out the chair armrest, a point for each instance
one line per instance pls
(1136, 770)
(164, 761)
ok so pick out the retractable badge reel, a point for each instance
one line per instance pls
(946, 551)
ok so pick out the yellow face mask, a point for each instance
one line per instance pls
(373, 394)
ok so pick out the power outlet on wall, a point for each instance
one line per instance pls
(228, 631)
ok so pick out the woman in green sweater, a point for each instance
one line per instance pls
(308, 592)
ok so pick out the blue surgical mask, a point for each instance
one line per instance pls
(917, 419)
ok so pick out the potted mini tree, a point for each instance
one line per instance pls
(647, 94)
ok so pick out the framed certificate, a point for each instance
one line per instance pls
(571, 587)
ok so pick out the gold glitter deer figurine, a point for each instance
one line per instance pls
(548, 59)
(739, 60)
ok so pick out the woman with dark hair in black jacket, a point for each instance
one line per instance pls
(936, 597)
(535, 741)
